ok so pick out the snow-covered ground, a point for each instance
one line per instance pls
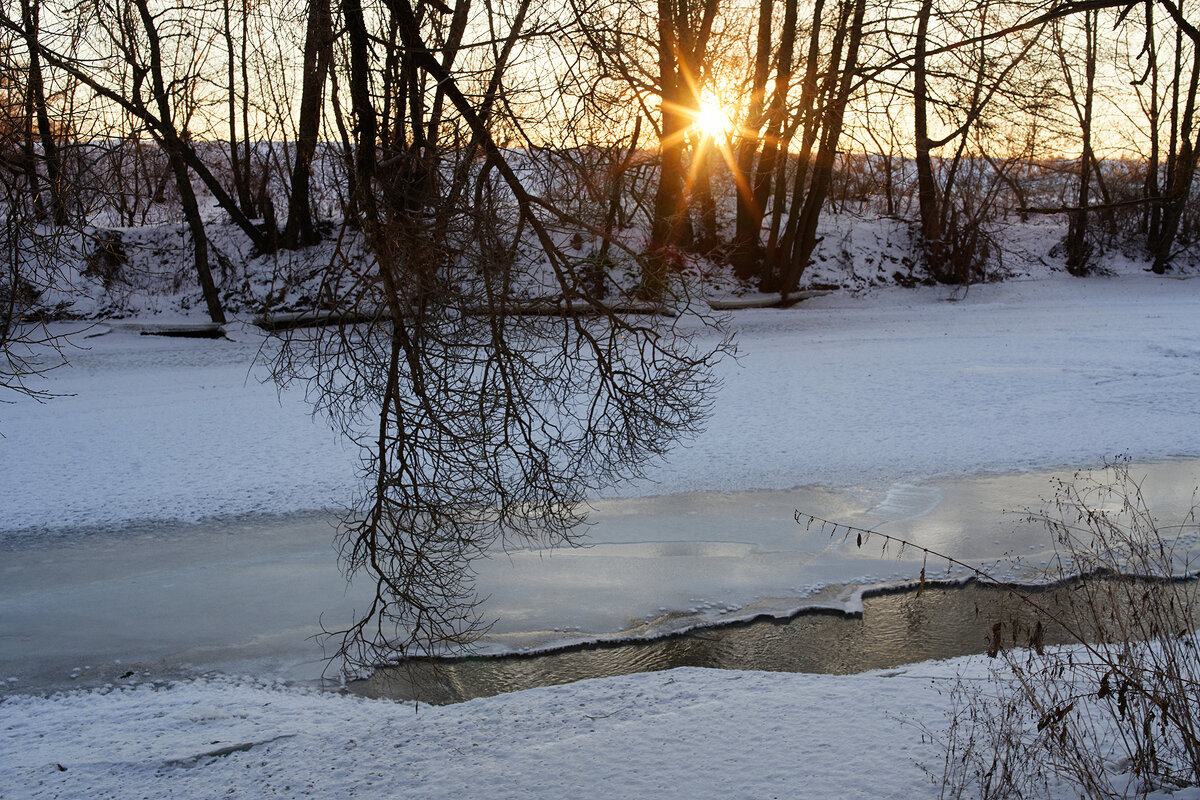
(686, 733)
(877, 401)
(842, 391)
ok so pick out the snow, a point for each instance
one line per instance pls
(909, 384)
(149, 427)
(686, 733)
(886, 402)
(843, 391)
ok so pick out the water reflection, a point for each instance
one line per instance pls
(896, 627)
(664, 564)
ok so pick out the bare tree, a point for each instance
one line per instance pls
(684, 29)
(318, 52)
(37, 103)
(146, 60)
(1183, 152)
(120, 70)
(962, 89)
(826, 103)
(1082, 101)
(239, 162)
(30, 255)
(480, 421)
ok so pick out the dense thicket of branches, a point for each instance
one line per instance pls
(508, 194)
(480, 418)
(952, 111)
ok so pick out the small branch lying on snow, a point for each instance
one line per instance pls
(1100, 207)
(191, 761)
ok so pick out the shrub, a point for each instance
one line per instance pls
(1119, 713)
(1116, 713)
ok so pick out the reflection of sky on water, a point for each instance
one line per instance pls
(654, 565)
(246, 595)
(895, 628)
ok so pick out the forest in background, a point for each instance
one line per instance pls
(710, 129)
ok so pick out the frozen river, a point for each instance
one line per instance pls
(929, 419)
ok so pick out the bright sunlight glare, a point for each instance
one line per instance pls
(712, 120)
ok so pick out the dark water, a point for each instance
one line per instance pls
(896, 627)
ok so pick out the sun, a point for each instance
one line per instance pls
(712, 120)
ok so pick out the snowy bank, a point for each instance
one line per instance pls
(686, 733)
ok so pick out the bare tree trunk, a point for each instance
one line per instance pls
(367, 125)
(746, 234)
(29, 160)
(1151, 219)
(1078, 250)
(1180, 182)
(299, 230)
(191, 213)
(458, 27)
(928, 200)
(247, 156)
(240, 170)
(37, 94)
(665, 225)
(707, 239)
(392, 84)
(339, 118)
(1154, 240)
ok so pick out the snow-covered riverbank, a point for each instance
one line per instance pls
(680, 734)
(687, 733)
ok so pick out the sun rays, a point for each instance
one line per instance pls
(712, 120)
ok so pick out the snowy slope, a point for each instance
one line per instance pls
(684, 734)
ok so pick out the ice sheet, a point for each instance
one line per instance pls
(899, 386)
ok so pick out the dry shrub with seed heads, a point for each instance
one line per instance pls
(1116, 711)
